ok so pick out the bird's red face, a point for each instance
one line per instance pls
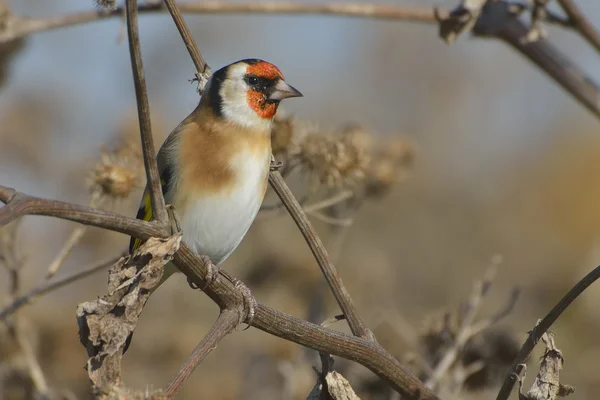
(259, 77)
(248, 92)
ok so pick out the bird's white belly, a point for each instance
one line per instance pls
(215, 225)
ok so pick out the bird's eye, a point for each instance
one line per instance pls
(252, 80)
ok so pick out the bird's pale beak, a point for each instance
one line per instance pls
(283, 91)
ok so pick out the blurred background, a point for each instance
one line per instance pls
(503, 162)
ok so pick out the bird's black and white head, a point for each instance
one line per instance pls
(248, 92)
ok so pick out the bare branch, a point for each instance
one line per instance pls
(19, 204)
(580, 23)
(19, 27)
(203, 71)
(49, 286)
(318, 249)
(541, 328)
(496, 20)
(226, 323)
(159, 211)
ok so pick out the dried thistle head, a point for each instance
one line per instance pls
(334, 159)
(113, 176)
(120, 170)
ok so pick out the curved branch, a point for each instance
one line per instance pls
(19, 204)
(541, 328)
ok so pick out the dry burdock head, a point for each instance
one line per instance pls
(120, 170)
(347, 157)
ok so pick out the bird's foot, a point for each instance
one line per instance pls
(249, 302)
(211, 274)
(275, 165)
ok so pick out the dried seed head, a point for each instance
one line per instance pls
(335, 160)
(282, 133)
(106, 4)
(120, 171)
(113, 177)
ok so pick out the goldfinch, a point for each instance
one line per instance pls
(214, 166)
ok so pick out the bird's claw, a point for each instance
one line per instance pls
(211, 274)
(249, 303)
(275, 165)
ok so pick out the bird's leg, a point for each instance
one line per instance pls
(173, 219)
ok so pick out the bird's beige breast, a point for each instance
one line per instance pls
(220, 160)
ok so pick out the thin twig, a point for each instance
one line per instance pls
(541, 328)
(480, 290)
(203, 71)
(159, 211)
(226, 323)
(49, 286)
(72, 240)
(581, 23)
(331, 201)
(340, 293)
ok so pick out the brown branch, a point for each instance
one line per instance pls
(19, 204)
(50, 286)
(226, 296)
(366, 352)
(159, 211)
(496, 20)
(226, 323)
(490, 24)
(541, 328)
(580, 23)
(203, 71)
(318, 249)
(22, 26)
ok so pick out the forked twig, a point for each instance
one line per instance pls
(538, 331)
